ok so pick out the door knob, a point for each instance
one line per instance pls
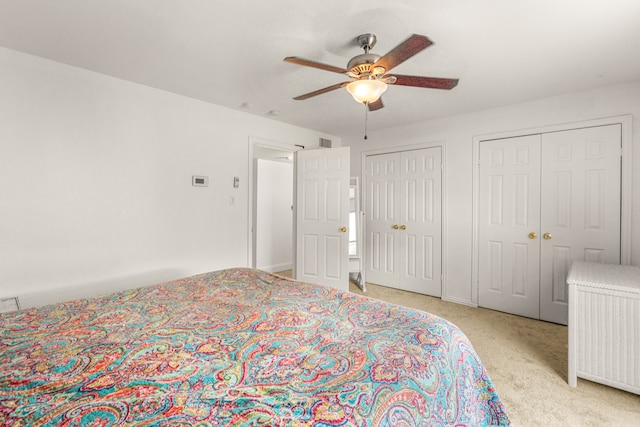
(395, 226)
(403, 227)
(343, 229)
(547, 236)
(532, 235)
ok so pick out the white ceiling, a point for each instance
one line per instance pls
(230, 52)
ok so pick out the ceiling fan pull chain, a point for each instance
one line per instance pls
(366, 116)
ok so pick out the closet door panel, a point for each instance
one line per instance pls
(382, 215)
(580, 208)
(509, 221)
(421, 207)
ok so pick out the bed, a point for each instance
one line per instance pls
(239, 347)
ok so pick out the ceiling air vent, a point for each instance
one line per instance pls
(324, 142)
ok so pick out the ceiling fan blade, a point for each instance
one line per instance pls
(403, 51)
(376, 105)
(321, 91)
(428, 82)
(307, 63)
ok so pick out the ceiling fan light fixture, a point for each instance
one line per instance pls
(366, 91)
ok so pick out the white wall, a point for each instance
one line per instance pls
(95, 179)
(457, 133)
(274, 217)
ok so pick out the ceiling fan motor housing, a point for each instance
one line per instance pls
(360, 66)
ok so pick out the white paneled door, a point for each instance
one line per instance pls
(546, 200)
(580, 208)
(403, 220)
(509, 272)
(322, 216)
(382, 216)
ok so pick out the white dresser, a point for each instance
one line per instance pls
(604, 324)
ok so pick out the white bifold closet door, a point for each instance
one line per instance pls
(509, 254)
(546, 200)
(403, 220)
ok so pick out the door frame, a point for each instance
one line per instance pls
(443, 207)
(625, 121)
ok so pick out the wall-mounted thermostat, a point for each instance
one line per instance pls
(200, 181)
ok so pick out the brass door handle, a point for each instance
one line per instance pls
(547, 236)
(532, 235)
(403, 227)
(395, 226)
(343, 229)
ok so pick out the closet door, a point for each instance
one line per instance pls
(545, 201)
(403, 220)
(420, 229)
(382, 177)
(509, 219)
(580, 208)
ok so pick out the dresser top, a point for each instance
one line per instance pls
(608, 276)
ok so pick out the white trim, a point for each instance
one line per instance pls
(277, 267)
(461, 301)
(627, 196)
(626, 176)
(257, 141)
(400, 148)
(443, 216)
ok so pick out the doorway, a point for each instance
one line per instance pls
(273, 234)
(329, 161)
(270, 178)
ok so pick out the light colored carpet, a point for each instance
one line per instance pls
(527, 362)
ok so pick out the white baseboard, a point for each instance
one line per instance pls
(276, 267)
(89, 290)
(460, 301)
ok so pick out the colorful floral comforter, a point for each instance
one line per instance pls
(239, 347)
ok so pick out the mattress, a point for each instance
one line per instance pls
(239, 347)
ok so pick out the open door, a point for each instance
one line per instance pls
(321, 212)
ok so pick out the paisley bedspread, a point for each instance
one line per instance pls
(239, 347)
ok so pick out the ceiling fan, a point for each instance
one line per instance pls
(368, 71)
